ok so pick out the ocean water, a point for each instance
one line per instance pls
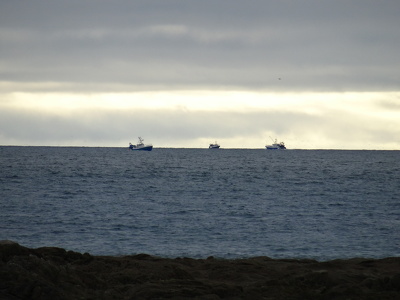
(229, 203)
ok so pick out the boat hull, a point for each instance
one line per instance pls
(275, 148)
(145, 148)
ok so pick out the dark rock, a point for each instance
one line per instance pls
(55, 273)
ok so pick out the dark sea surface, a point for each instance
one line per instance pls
(230, 203)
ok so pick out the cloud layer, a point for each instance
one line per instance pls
(311, 45)
(337, 53)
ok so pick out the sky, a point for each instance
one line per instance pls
(184, 73)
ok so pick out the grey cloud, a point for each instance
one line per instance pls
(337, 45)
(390, 104)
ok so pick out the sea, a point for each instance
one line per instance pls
(225, 203)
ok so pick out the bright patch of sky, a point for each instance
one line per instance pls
(237, 119)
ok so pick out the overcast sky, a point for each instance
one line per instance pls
(314, 74)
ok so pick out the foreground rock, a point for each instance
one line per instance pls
(54, 273)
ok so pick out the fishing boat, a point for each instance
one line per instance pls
(276, 146)
(214, 146)
(141, 146)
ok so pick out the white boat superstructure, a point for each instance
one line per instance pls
(214, 146)
(141, 146)
(276, 146)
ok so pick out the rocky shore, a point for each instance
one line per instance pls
(55, 273)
